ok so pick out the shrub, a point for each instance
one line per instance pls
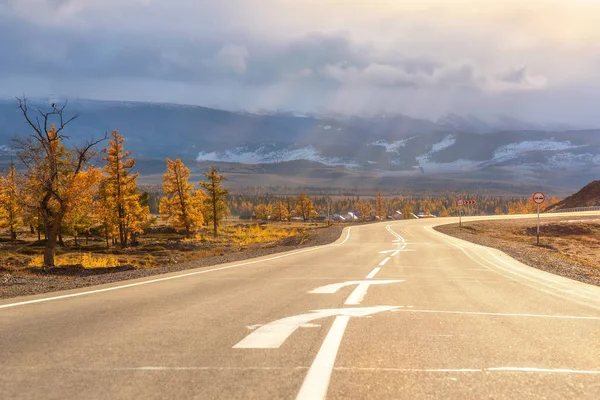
(87, 260)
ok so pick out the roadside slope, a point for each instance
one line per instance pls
(569, 245)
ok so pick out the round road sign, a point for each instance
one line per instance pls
(538, 197)
(460, 202)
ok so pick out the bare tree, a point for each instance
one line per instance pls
(55, 170)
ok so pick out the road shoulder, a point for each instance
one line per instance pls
(569, 246)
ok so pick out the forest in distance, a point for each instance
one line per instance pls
(62, 195)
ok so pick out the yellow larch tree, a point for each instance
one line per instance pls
(122, 197)
(280, 212)
(263, 211)
(305, 207)
(11, 210)
(380, 209)
(216, 198)
(364, 210)
(107, 218)
(82, 214)
(180, 207)
(52, 168)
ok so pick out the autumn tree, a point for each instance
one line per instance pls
(305, 207)
(81, 215)
(121, 196)
(216, 198)
(407, 211)
(31, 197)
(380, 209)
(280, 212)
(11, 210)
(364, 210)
(263, 211)
(289, 206)
(56, 171)
(181, 207)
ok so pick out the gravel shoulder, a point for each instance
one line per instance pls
(569, 246)
(24, 283)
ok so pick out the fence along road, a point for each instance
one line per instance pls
(392, 310)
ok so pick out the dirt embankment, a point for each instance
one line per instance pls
(569, 246)
(29, 281)
(588, 196)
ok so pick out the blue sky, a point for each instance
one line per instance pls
(536, 60)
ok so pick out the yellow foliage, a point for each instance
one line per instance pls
(182, 208)
(257, 234)
(121, 209)
(87, 260)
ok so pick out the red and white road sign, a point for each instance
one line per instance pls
(538, 197)
(460, 203)
(465, 202)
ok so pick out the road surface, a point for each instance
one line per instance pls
(390, 311)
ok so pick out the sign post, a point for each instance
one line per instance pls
(538, 198)
(460, 204)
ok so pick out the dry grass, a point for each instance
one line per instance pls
(254, 234)
(87, 260)
(158, 247)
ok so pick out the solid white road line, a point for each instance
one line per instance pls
(584, 317)
(373, 273)
(400, 238)
(536, 279)
(385, 260)
(453, 370)
(357, 294)
(66, 296)
(317, 379)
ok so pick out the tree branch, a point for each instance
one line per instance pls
(82, 153)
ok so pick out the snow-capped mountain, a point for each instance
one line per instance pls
(501, 149)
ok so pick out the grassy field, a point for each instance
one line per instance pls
(158, 246)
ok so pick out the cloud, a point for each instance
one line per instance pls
(518, 79)
(316, 54)
(232, 57)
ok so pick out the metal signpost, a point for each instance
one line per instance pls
(460, 204)
(538, 198)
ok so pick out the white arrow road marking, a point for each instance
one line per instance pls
(357, 296)
(334, 287)
(274, 334)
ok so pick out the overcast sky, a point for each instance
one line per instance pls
(531, 59)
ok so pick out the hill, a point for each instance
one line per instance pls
(589, 196)
(335, 151)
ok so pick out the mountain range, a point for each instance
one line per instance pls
(335, 150)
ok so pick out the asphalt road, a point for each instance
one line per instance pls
(432, 317)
